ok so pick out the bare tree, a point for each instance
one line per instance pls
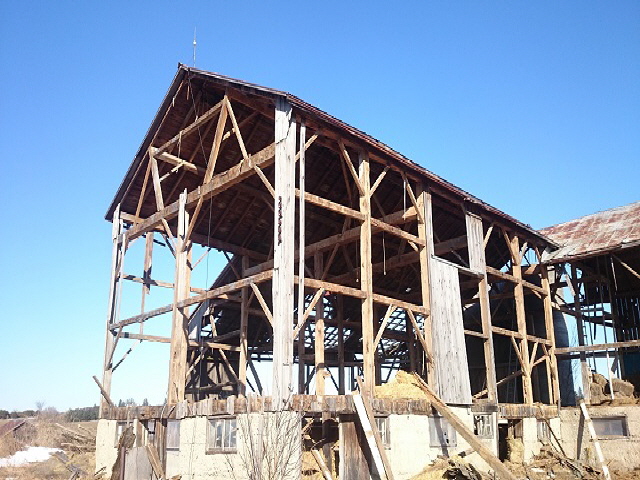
(271, 446)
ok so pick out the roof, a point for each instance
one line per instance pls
(357, 136)
(599, 233)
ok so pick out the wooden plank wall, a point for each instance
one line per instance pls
(449, 349)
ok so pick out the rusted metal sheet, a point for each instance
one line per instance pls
(596, 234)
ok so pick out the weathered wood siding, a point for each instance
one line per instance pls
(449, 349)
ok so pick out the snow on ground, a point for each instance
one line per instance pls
(30, 455)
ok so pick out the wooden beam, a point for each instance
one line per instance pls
(597, 347)
(283, 254)
(202, 119)
(244, 324)
(318, 339)
(516, 259)
(371, 433)
(477, 261)
(366, 272)
(494, 462)
(425, 232)
(262, 302)
(383, 325)
(180, 315)
(190, 343)
(114, 293)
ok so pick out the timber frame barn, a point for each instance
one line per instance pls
(344, 260)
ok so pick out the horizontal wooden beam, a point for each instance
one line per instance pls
(192, 343)
(328, 243)
(179, 162)
(211, 294)
(511, 333)
(329, 205)
(510, 278)
(219, 183)
(597, 347)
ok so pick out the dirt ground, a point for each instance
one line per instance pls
(50, 433)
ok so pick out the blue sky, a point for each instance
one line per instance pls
(532, 106)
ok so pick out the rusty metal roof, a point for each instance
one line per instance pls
(596, 234)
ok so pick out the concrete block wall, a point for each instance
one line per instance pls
(106, 451)
(622, 453)
(410, 441)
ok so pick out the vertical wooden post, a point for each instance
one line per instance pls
(518, 294)
(244, 323)
(181, 291)
(577, 306)
(318, 262)
(146, 276)
(366, 275)
(425, 232)
(340, 318)
(552, 362)
(477, 261)
(301, 258)
(117, 252)
(283, 252)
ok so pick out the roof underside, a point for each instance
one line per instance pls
(194, 91)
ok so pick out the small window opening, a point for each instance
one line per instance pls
(173, 435)
(383, 427)
(482, 425)
(441, 433)
(221, 435)
(611, 426)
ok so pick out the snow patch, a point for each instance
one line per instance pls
(30, 455)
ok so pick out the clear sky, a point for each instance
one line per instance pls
(532, 106)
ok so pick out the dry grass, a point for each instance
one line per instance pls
(45, 433)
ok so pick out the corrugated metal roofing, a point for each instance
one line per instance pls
(595, 234)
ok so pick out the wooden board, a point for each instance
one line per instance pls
(353, 461)
(449, 349)
(284, 250)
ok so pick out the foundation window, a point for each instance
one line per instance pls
(611, 426)
(120, 427)
(482, 425)
(149, 432)
(441, 433)
(383, 427)
(543, 431)
(221, 435)
(173, 435)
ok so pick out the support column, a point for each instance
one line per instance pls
(425, 232)
(244, 323)
(552, 362)
(318, 265)
(283, 253)
(181, 291)
(586, 371)
(518, 294)
(477, 261)
(117, 254)
(340, 318)
(366, 275)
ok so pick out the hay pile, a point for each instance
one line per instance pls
(404, 385)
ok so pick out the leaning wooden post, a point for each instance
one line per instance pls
(283, 253)
(366, 275)
(114, 291)
(180, 317)
(477, 262)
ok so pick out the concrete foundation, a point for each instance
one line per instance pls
(620, 452)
